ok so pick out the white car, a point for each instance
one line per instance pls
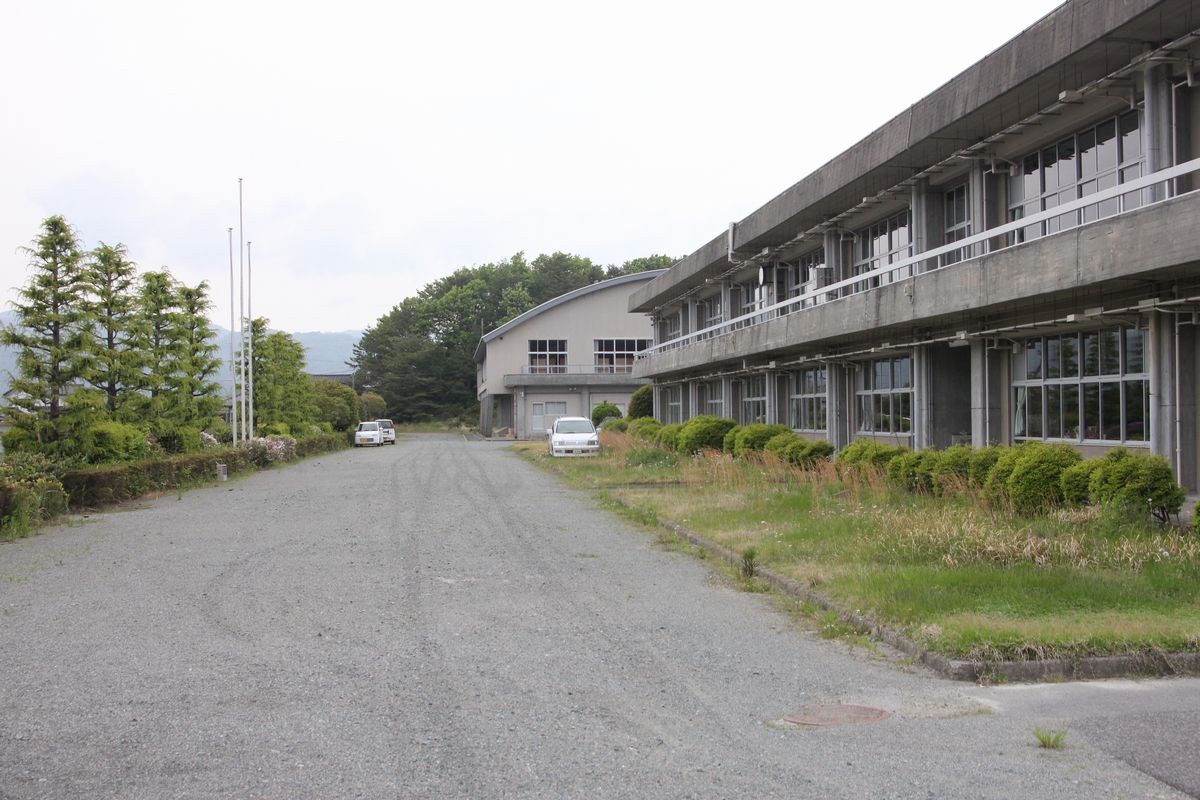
(573, 436)
(368, 433)
(387, 431)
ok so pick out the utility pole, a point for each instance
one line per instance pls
(250, 311)
(233, 401)
(246, 431)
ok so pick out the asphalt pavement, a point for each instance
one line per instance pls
(440, 619)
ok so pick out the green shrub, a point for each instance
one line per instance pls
(30, 492)
(1196, 517)
(1035, 483)
(654, 457)
(995, 484)
(221, 430)
(274, 429)
(604, 411)
(108, 441)
(730, 438)
(951, 469)
(913, 470)
(778, 444)
(869, 452)
(641, 403)
(981, 462)
(182, 439)
(617, 425)
(704, 432)
(1075, 481)
(668, 436)
(645, 428)
(805, 453)
(1137, 481)
(754, 437)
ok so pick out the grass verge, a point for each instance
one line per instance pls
(961, 580)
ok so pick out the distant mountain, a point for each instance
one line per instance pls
(325, 352)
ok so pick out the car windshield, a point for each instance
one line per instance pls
(385, 423)
(369, 426)
(574, 426)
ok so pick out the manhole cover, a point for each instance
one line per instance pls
(836, 714)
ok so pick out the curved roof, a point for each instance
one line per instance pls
(563, 298)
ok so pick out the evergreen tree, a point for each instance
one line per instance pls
(283, 392)
(109, 279)
(193, 397)
(157, 323)
(50, 335)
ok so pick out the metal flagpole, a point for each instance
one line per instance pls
(242, 313)
(250, 311)
(232, 361)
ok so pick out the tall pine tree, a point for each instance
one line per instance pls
(158, 322)
(109, 278)
(194, 397)
(50, 335)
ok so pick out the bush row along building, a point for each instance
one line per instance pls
(1012, 258)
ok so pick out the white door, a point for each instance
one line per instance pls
(554, 410)
(538, 426)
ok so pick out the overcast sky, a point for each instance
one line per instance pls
(383, 145)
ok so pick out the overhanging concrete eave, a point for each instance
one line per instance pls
(1086, 40)
(513, 381)
(1136, 255)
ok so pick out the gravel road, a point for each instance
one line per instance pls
(441, 620)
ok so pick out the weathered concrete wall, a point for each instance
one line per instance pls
(1067, 271)
(1084, 40)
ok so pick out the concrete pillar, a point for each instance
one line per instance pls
(840, 402)
(485, 415)
(986, 388)
(690, 399)
(772, 400)
(921, 371)
(975, 202)
(585, 402)
(1172, 351)
(925, 220)
(727, 397)
(1157, 133)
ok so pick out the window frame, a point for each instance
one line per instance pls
(808, 401)
(554, 361)
(869, 393)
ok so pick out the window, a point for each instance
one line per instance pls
(670, 327)
(710, 399)
(958, 220)
(885, 242)
(547, 356)
(800, 276)
(672, 404)
(1097, 158)
(754, 399)
(884, 395)
(809, 402)
(616, 355)
(1089, 386)
(708, 312)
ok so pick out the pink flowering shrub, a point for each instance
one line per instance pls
(273, 449)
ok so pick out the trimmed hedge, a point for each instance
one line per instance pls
(778, 444)
(605, 411)
(617, 425)
(730, 439)
(1035, 483)
(869, 452)
(805, 452)
(641, 403)
(668, 436)
(754, 437)
(644, 428)
(1137, 481)
(704, 432)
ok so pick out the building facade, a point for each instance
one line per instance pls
(562, 358)
(1013, 258)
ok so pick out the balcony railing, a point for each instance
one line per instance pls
(577, 369)
(1140, 193)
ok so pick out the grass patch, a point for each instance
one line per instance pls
(964, 580)
(1050, 739)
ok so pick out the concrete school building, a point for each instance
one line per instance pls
(562, 358)
(1014, 257)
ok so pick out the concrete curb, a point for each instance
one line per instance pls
(1091, 667)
